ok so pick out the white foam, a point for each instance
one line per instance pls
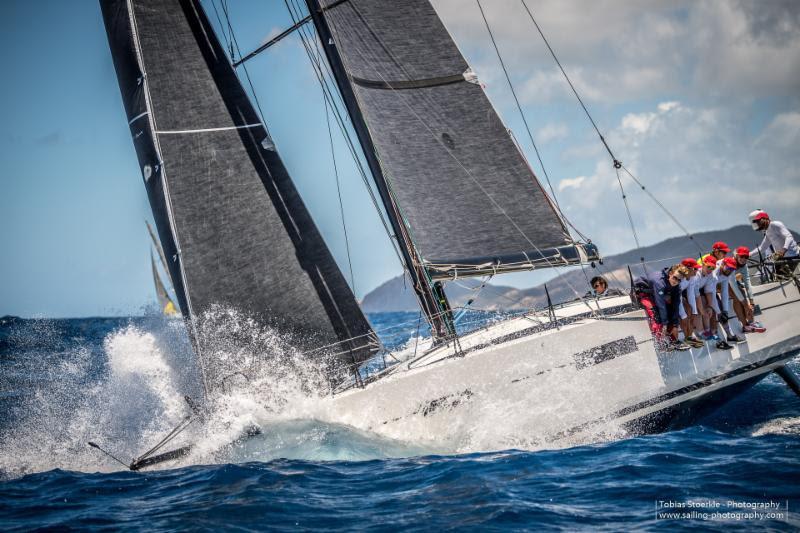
(779, 426)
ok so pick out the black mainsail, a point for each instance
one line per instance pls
(466, 196)
(233, 227)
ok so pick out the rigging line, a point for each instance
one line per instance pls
(423, 281)
(406, 235)
(475, 180)
(560, 213)
(569, 81)
(177, 430)
(409, 239)
(109, 454)
(663, 208)
(339, 192)
(617, 163)
(519, 107)
(630, 217)
(316, 63)
(346, 135)
(490, 288)
(423, 122)
(328, 74)
(221, 25)
(224, 4)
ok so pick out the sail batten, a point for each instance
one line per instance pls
(463, 187)
(219, 188)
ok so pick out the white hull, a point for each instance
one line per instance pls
(566, 386)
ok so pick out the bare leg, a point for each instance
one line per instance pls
(738, 308)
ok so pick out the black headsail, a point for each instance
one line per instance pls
(234, 229)
(463, 192)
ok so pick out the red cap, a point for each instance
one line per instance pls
(710, 260)
(730, 262)
(691, 263)
(761, 215)
(720, 246)
(743, 251)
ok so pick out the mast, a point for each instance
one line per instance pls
(420, 280)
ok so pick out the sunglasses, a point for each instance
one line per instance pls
(676, 278)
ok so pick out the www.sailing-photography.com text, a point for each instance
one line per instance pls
(722, 510)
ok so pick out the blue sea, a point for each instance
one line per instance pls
(120, 382)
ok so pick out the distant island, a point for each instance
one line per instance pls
(397, 295)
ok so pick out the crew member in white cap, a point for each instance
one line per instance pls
(777, 236)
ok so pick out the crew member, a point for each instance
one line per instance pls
(723, 274)
(599, 286)
(659, 294)
(692, 324)
(706, 289)
(742, 290)
(785, 252)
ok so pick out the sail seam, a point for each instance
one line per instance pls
(204, 130)
(408, 84)
(137, 117)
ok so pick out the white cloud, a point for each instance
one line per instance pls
(783, 131)
(694, 160)
(571, 183)
(666, 107)
(638, 123)
(678, 88)
(552, 132)
(615, 50)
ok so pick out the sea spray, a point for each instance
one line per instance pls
(121, 383)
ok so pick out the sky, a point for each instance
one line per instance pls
(699, 99)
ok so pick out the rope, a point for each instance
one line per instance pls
(339, 192)
(316, 64)
(233, 42)
(664, 208)
(519, 107)
(422, 276)
(617, 164)
(221, 25)
(630, 217)
(177, 430)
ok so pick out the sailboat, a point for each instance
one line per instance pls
(460, 201)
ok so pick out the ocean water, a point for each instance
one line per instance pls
(120, 382)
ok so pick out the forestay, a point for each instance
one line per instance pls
(470, 199)
(233, 227)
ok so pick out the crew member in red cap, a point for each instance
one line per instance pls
(724, 273)
(707, 291)
(742, 291)
(777, 237)
(691, 324)
(718, 251)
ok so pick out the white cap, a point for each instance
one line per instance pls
(753, 215)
